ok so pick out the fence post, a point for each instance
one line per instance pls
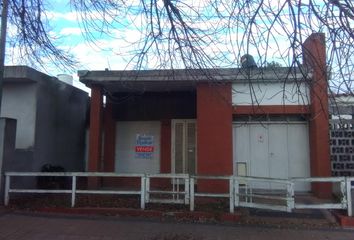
(236, 192)
(186, 190)
(73, 191)
(191, 188)
(7, 190)
(231, 194)
(143, 192)
(290, 198)
(147, 188)
(343, 190)
(349, 197)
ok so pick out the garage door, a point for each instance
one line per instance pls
(274, 150)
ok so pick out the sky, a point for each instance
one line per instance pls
(65, 24)
(115, 53)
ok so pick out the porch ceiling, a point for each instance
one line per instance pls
(148, 86)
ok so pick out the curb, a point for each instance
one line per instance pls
(344, 221)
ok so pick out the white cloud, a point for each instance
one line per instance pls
(69, 16)
(70, 31)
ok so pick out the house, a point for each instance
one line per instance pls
(42, 121)
(255, 122)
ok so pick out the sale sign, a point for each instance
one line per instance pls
(144, 147)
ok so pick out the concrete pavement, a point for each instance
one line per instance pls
(14, 225)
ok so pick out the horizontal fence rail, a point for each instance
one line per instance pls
(194, 194)
(176, 180)
(343, 204)
(241, 191)
(74, 191)
(247, 194)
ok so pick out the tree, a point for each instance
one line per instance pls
(197, 34)
(272, 64)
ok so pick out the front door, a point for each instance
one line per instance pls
(184, 146)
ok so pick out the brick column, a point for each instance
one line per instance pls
(314, 56)
(95, 135)
(165, 146)
(109, 138)
(214, 134)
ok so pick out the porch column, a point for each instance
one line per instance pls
(214, 134)
(165, 146)
(314, 56)
(109, 138)
(95, 135)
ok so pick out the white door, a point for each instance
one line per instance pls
(184, 146)
(272, 150)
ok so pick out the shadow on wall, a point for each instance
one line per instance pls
(12, 159)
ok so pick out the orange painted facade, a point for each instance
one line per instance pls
(214, 134)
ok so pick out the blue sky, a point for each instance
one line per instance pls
(65, 25)
(115, 53)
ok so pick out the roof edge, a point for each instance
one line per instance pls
(219, 74)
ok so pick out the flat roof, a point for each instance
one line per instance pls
(24, 74)
(186, 79)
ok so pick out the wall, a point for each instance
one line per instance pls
(342, 147)
(61, 123)
(19, 102)
(270, 93)
(7, 147)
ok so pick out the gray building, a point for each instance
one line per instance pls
(43, 121)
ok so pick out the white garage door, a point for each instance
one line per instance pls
(274, 150)
(137, 147)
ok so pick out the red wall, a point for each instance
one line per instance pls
(214, 133)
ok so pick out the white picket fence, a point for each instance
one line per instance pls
(242, 191)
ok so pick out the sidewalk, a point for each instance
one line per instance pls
(299, 219)
(205, 212)
(21, 226)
